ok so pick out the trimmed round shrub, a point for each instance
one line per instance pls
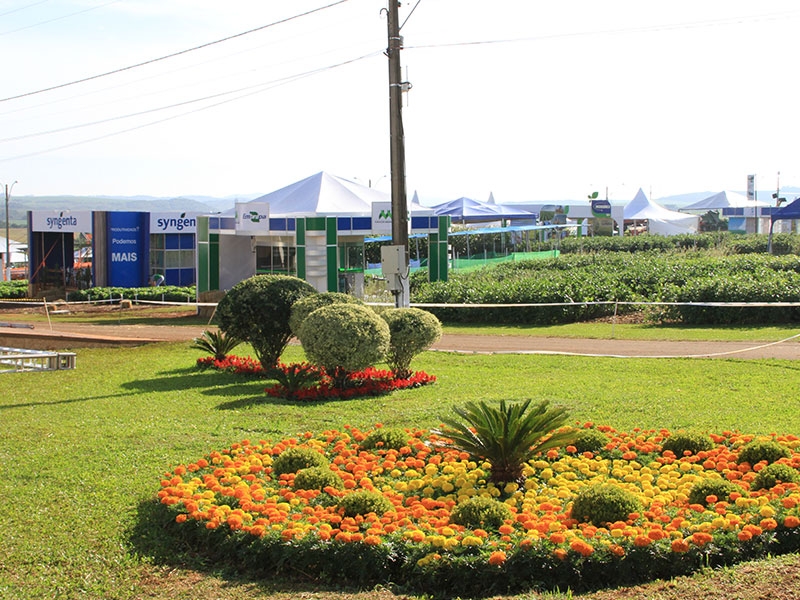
(679, 443)
(305, 306)
(769, 476)
(604, 503)
(412, 331)
(257, 310)
(344, 337)
(479, 512)
(590, 440)
(385, 439)
(317, 478)
(721, 488)
(293, 459)
(756, 451)
(365, 502)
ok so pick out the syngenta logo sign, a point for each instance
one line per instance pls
(176, 223)
(61, 221)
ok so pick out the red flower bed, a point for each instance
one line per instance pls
(320, 385)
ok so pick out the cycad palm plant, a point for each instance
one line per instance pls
(217, 343)
(506, 436)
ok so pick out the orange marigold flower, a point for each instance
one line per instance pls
(641, 541)
(768, 524)
(744, 536)
(181, 518)
(680, 545)
(497, 557)
(791, 521)
(558, 538)
(700, 538)
(560, 553)
(617, 550)
(582, 548)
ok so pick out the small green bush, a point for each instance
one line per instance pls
(385, 438)
(680, 442)
(756, 451)
(721, 488)
(590, 440)
(257, 310)
(770, 475)
(217, 343)
(412, 331)
(604, 503)
(317, 478)
(344, 337)
(365, 502)
(479, 512)
(305, 306)
(293, 459)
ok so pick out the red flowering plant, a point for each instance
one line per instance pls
(385, 512)
(306, 382)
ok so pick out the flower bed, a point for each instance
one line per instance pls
(317, 384)
(229, 504)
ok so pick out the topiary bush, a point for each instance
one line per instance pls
(412, 331)
(604, 503)
(305, 306)
(365, 502)
(754, 452)
(721, 488)
(343, 338)
(769, 476)
(385, 439)
(293, 459)
(479, 512)
(257, 310)
(590, 440)
(682, 441)
(317, 478)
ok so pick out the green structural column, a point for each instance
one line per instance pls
(331, 248)
(300, 241)
(207, 257)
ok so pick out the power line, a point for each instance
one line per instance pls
(174, 54)
(262, 88)
(67, 16)
(13, 10)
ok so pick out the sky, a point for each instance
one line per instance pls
(525, 100)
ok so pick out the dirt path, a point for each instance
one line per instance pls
(63, 335)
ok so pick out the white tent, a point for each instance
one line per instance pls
(323, 194)
(722, 200)
(660, 220)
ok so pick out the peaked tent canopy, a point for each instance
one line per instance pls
(467, 210)
(722, 200)
(660, 220)
(790, 211)
(323, 194)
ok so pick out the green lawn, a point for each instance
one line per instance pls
(82, 452)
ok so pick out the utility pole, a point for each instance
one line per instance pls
(8, 244)
(398, 155)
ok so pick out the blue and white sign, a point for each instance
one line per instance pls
(127, 249)
(173, 222)
(61, 221)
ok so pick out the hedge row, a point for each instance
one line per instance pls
(169, 293)
(725, 242)
(618, 277)
(14, 289)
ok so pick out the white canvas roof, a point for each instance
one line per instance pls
(724, 199)
(324, 194)
(660, 220)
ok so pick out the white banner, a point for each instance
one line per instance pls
(252, 217)
(173, 222)
(62, 221)
(381, 217)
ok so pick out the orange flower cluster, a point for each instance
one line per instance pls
(236, 489)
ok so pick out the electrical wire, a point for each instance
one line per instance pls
(13, 10)
(174, 54)
(67, 16)
(262, 88)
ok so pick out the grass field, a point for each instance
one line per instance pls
(82, 452)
